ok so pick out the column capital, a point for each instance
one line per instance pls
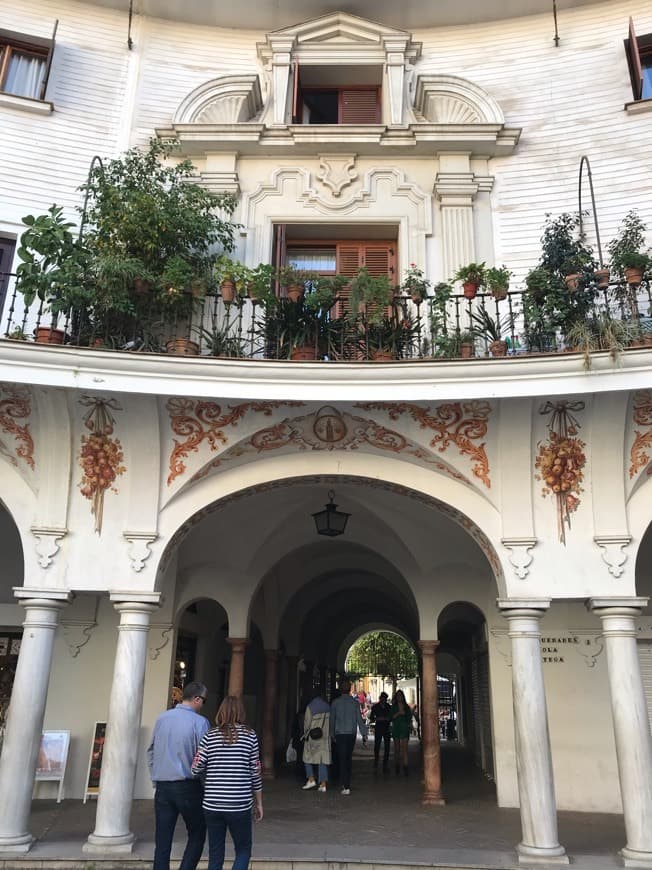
(134, 597)
(428, 647)
(55, 598)
(523, 606)
(621, 606)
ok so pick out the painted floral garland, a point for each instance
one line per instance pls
(101, 455)
(639, 455)
(16, 406)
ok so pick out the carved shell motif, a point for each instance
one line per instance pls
(232, 109)
(445, 109)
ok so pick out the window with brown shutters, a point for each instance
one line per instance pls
(378, 257)
(335, 105)
(359, 106)
(639, 59)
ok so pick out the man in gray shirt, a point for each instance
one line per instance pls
(175, 739)
(346, 718)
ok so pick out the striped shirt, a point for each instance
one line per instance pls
(232, 770)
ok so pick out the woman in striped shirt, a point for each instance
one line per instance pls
(228, 758)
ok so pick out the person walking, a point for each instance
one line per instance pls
(317, 742)
(228, 758)
(345, 721)
(401, 728)
(381, 718)
(175, 739)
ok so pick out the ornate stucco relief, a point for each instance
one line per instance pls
(330, 429)
(15, 412)
(560, 460)
(612, 552)
(461, 424)
(77, 635)
(139, 548)
(197, 421)
(101, 455)
(520, 556)
(639, 455)
(47, 543)
(159, 636)
(337, 171)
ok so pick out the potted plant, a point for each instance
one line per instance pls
(491, 331)
(563, 253)
(231, 277)
(472, 277)
(389, 337)
(294, 281)
(415, 284)
(600, 332)
(438, 320)
(370, 294)
(497, 281)
(221, 339)
(466, 344)
(52, 268)
(259, 281)
(630, 258)
(538, 282)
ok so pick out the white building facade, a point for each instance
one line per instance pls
(456, 539)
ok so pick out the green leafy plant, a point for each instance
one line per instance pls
(221, 340)
(601, 332)
(497, 281)
(393, 333)
(415, 284)
(371, 293)
(487, 327)
(260, 280)
(472, 273)
(628, 249)
(562, 251)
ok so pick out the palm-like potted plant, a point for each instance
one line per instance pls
(497, 281)
(472, 277)
(389, 337)
(491, 331)
(221, 339)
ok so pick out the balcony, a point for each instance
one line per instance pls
(428, 349)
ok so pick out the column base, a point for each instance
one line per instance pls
(433, 799)
(100, 845)
(541, 855)
(22, 843)
(634, 858)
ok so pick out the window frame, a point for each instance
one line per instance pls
(36, 46)
(639, 54)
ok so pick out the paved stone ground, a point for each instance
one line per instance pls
(382, 821)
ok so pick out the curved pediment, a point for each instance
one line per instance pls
(227, 100)
(446, 99)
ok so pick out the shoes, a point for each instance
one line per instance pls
(322, 786)
(310, 784)
(346, 791)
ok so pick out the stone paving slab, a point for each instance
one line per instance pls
(381, 824)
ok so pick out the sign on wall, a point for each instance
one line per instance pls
(95, 761)
(52, 758)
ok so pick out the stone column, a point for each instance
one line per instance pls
(269, 711)
(430, 725)
(631, 724)
(237, 668)
(26, 711)
(112, 833)
(292, 662)
(536, 789)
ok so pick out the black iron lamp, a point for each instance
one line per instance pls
(330, 521)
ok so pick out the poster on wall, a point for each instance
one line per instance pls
(52, 758)
(95, 761)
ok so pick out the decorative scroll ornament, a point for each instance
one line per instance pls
(47, 543)
(639, 454)
(198, 422)
(519, 556)
(560, 460)
(77, 635)
(337, 171)
(139, 548)
(159, 633)
(101, 456)
(329, 429)
(458, 423)
(612, 552)
(15, 405)
(589, 647)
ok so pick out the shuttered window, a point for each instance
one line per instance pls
(350, 105)
(359, 106)
(378, 257)
(639, 59)
(25, 63)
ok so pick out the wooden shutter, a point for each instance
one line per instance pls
(297, 100)
(279, 252)
(48, 62)
(349, 260)
(359, 106)
(634, 61)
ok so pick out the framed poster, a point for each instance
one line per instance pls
(95, 761)
(52, 758)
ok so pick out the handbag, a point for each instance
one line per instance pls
(315, 733)
(290, 753)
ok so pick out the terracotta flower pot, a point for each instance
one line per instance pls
(499, 293)
(303, 353)
(49, 335)
(295, 292)
(573, 281)
(633, 276)
(182, 347)
(498, 348)
(382, 355)
(466, 350)
(602, 278)
(227, 291)
(470, 289)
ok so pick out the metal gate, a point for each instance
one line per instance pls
(645, 658)
(483, 744)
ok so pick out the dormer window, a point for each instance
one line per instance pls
(337, 95)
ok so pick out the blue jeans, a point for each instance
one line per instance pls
(323, 771)
(174, 799)
(238, 825)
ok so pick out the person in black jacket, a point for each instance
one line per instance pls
(381, 718)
